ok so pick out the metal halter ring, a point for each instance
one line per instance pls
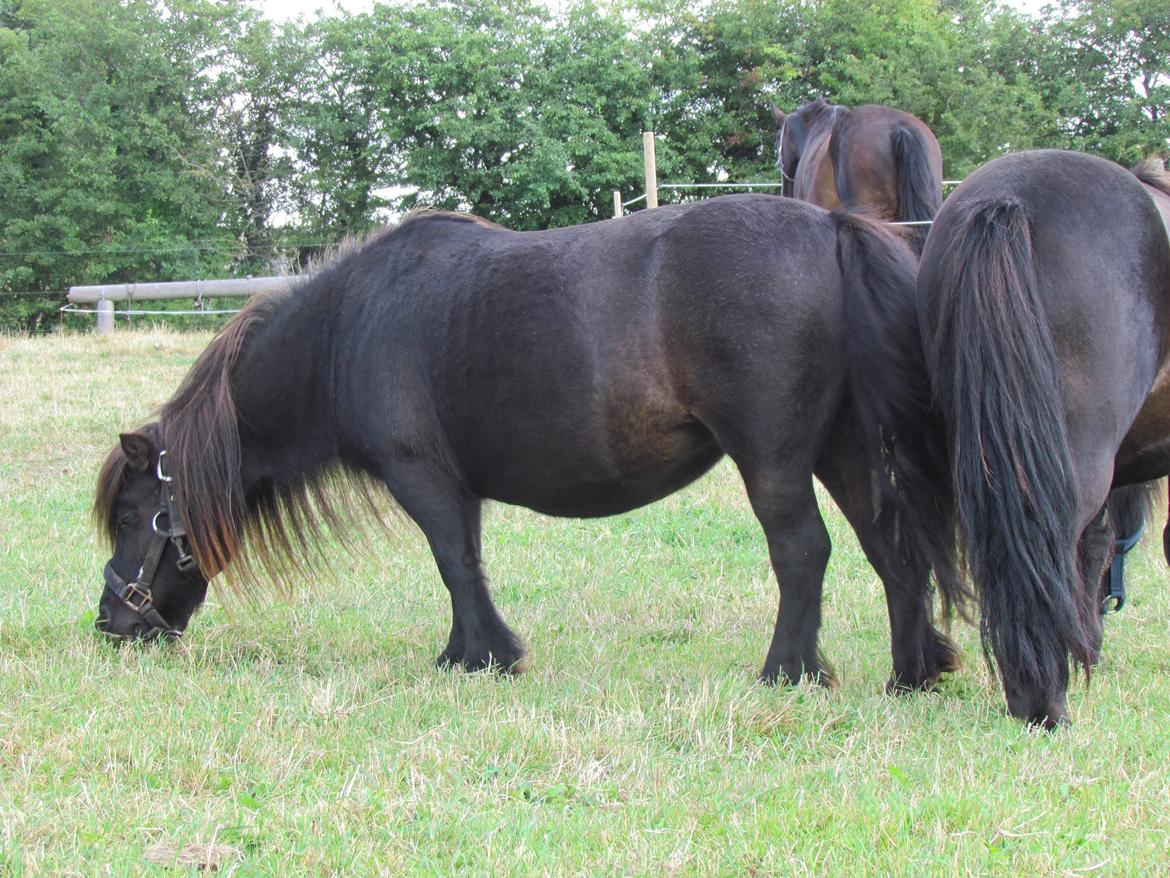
(154, 524)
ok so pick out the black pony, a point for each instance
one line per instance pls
(580, 372)
(1044, 299)
(875, 158)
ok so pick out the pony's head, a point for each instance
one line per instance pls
(793, 131)
(153, 584)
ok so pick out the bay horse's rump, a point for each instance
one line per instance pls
(872, 158)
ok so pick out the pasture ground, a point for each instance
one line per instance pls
(311, 735)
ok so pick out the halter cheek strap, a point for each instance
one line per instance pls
(137, 594)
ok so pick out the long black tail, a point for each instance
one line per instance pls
(919, 190)
(997, 382)
(891, 391)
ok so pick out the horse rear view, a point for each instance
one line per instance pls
(1044, 299)
(871, 157)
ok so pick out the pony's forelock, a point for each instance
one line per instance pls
(105, 503)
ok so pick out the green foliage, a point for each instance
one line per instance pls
(109, 161)
(172, 139)
(1112, 62)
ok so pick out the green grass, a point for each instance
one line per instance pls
(312, 736)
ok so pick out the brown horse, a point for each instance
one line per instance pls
(875, 158)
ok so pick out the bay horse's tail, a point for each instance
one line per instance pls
(1131, 507)
(890, 391)
(996, 375)
(919, 193)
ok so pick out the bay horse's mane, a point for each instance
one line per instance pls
(1153, 173)
(276, 528)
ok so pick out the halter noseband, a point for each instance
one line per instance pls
(137, 595)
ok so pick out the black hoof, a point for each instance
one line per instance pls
(501, 652)
(940, 657)
(503, 659)
(819, 676)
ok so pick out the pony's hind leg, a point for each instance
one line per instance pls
(1094, 554)
(449, 517)
(921, 653)
(798, 544)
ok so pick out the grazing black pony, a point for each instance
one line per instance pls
(579, 372)
(872, 157)
(1044, 299)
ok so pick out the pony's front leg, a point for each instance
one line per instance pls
(799, 546)
(449, 517)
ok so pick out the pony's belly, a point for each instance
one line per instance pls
(1145, 452)
(588, 488)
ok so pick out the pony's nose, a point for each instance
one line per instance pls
(104, 625)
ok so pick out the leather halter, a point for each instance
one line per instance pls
(137, 594)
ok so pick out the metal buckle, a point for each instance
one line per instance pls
(146, 601)
(186, 560)
(162, 476)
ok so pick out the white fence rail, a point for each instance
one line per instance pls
(103, 296)
(185, 289)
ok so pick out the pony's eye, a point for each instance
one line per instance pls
(126, 519)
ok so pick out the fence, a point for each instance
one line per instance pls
(103, 296)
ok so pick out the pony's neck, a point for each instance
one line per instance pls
(282, 388)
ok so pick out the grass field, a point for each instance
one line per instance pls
(312, 736)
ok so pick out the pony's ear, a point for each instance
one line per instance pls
(779, 115)
(139, 449)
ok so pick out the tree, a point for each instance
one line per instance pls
(1112, 76)
(107, 160)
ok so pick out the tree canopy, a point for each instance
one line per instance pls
(161, 139)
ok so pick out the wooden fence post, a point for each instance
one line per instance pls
(651, 168)
(105, 317)
(617, 202)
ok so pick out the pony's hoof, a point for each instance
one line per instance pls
(898, 685)
(940, 656)
(822, 676)
(506, 664)
(506, 656)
